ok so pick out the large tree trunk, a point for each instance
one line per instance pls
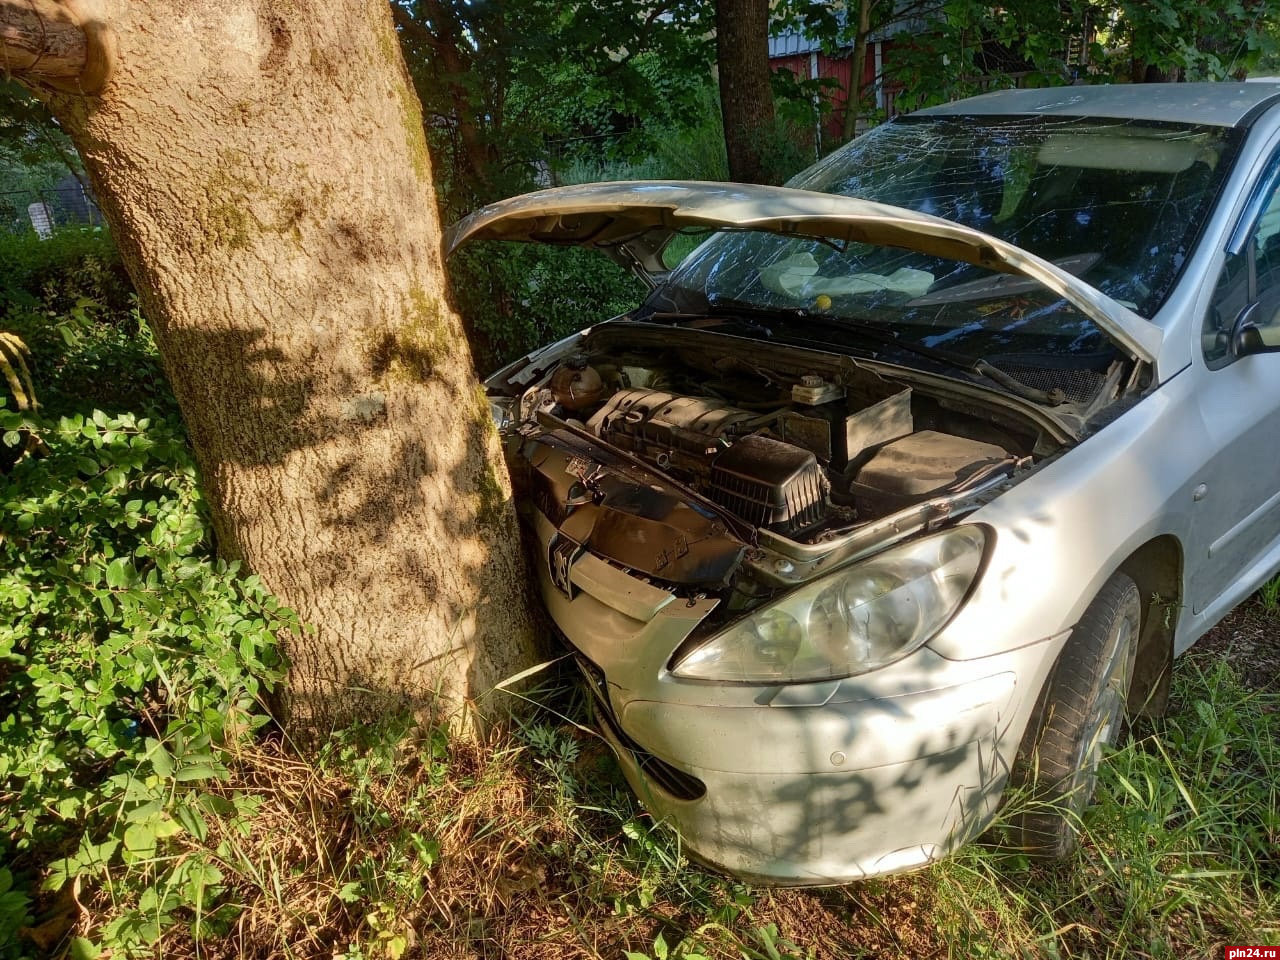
(746, 97)
(263, 168)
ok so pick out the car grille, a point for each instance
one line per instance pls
(669, 779)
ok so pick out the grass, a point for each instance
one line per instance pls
(393, 841)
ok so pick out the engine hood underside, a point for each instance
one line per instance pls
(633, 221)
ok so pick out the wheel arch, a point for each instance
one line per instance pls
(1156, 567)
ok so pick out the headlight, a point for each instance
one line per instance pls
(857, 619)
(500, 408)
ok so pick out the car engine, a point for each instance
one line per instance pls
(718, 449)
(800, 453)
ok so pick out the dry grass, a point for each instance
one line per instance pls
(395, 842)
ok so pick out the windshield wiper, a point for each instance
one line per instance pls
(740, 318)
(980, 367)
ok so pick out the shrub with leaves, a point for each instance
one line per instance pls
(515, 297)
(70, 302)
(53, 274)
(131, 666)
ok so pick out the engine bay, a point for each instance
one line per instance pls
(796, 445)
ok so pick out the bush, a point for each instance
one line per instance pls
(132, 661)
(515, 297)
(69, 299)
(52, 275)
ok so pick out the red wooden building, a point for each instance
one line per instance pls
(793, 50)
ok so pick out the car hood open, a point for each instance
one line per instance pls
(633, 220)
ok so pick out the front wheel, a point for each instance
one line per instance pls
(1080, 709)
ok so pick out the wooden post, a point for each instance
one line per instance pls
(60, 44)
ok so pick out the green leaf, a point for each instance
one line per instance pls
(161, 762)
(82, 949)
(192, 821)
(140, 838)
(120, 572)
(200, 771)
(148, 811)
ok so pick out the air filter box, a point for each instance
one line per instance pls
(770, 484)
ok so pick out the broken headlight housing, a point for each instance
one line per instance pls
(503, 410)
(860, 618)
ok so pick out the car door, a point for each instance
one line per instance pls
(1236, 515)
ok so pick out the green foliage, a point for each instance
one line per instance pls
(498, 81)
(967, 47)
(133, 665)
(51, 275)
(580, 116)
(34, 152)
(71, 301)
(516, 297)
(692, 151)
(972, 48)
(515, 93)
(1192, 41)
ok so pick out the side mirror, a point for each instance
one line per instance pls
(1248, 338)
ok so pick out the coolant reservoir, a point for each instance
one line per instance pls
(577, 387)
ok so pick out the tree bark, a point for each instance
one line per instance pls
(746, 97)
(857, 66)
(263, 168)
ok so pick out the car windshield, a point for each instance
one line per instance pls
(1118, 203)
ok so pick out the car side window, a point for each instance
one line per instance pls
(1250, 274)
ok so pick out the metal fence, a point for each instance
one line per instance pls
(43, 211)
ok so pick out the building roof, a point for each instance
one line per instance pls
(793, 41)
(790, 43)
(1211, 104)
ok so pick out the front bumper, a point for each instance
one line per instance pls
(805, 784)
(821, 795)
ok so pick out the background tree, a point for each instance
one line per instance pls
(1183, 40)
(34, 152)
(746, 94)
(970, 46)
(502, 81)
(265, 174)
(520, 94)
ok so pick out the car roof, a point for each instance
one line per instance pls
(1212, 104)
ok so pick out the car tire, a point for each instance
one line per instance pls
(1081, 708)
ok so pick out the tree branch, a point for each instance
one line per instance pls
(405, 21)
(62, 45)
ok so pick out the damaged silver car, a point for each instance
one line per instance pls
(903, 488)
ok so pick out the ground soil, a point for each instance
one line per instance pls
(1250, 638)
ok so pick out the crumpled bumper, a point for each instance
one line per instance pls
(808, 795)
(799, 784)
